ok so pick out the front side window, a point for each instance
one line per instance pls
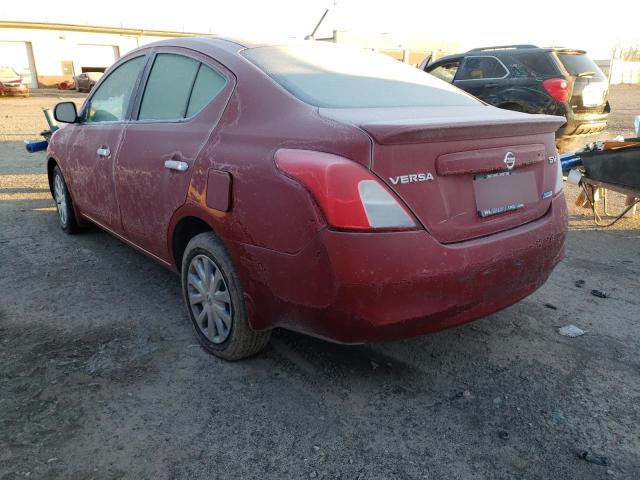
(178, 87)
(479, 68)
(111, 100)
(446, 72)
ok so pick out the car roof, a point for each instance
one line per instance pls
(212, 41)
(497, 50)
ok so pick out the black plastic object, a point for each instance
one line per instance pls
(618, 167)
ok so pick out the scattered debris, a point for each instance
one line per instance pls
(503, 434)
(593, 458)
(579, 283)
(497, 401)
(599, 294)
(551, 306)
(374, 365)
(570, 331)
(51, 460)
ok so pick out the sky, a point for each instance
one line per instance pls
(594, 26)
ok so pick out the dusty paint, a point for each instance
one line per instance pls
(295, 272)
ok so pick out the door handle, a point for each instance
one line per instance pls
(103, 152)
(176, 165)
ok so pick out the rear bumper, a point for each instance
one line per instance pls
(359, 287)
(583, 124)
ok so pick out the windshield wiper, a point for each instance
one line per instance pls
(586, 74)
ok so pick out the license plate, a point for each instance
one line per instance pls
(592, 95)
(504, 192)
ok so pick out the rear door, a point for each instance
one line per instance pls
(182, 101)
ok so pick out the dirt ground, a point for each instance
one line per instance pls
(101, 378)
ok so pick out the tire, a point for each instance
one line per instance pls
(64, 204)
(214, 300)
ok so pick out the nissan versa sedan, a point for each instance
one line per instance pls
(318, 188)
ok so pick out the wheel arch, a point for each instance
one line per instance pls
(51, 164)
(184, 230)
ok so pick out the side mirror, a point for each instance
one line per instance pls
(65, 112)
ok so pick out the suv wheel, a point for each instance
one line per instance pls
(214, 299)
(64, 204)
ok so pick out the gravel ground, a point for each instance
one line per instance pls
(100, 377)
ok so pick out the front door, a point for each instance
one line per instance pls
(95, 143)
(183, 99)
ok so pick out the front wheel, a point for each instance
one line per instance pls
(214, 299)
(64, 204)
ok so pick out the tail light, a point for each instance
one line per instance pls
(558, 88)
(350, 197)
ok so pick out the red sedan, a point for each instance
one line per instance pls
(323, 189)
(11, 83)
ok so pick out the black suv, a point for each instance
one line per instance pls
(526, 78)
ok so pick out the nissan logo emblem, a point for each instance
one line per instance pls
(509, 160)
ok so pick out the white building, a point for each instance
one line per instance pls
(46, 54)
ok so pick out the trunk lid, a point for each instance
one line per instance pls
(449, 164)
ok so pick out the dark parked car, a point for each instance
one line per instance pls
(11, 83)
(526, 78)
(86, 81)
(309, 186)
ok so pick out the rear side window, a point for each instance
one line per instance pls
(207, 86)
(327, 75)
(110, 102)
(580, 65)
(538, 65)
(479, 68)
(178, 87)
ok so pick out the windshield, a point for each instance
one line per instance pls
(8, 72)
(580, 65)
(333, 76)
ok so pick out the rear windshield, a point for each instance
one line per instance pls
(333, 76)
(580, 65)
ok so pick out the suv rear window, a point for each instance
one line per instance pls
(326, 75)
(579, 64)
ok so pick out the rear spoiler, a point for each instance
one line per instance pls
(416, 130)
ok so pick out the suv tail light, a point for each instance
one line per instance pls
(558, 88)
(350, 197)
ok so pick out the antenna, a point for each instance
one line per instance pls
(311, 36)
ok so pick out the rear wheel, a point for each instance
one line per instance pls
(64, 204)
(214, 299)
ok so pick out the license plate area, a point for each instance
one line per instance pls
(502, 192)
